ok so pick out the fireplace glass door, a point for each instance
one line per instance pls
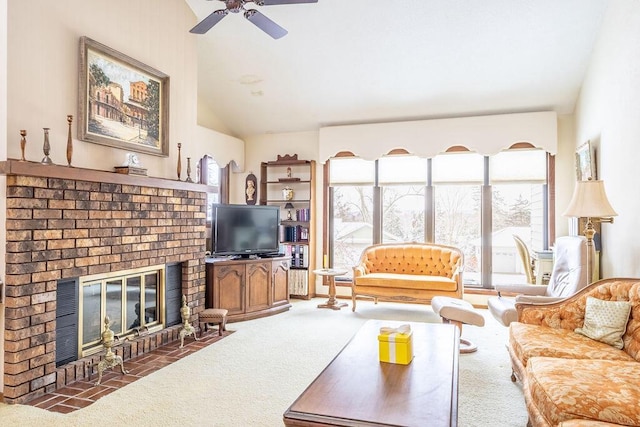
(131, 300)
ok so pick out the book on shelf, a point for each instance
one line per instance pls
(285, 249)
(303, 215)
(293, 233)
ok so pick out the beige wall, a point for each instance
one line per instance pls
(3, 156)
(608, 114)
(565, 171)
(208, 119)
(43, 74)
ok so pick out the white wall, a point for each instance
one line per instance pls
(608, 114)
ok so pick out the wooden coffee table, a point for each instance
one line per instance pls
(356, 389)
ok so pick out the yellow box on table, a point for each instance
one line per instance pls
(396, 344)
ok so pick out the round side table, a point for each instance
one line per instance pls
(331, 273)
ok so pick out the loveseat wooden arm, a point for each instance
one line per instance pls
(457, 275)
(359, 270)
(569, 313)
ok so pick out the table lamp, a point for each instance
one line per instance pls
(590, 201)
(289, 206)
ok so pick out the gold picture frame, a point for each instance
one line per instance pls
(586, 162)
(123, 103)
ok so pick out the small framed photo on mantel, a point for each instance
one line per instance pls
(586, 162)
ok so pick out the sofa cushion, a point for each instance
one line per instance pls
(605, 321)
(587, 423)
(603, 390)
(527, 341)
(408, 281)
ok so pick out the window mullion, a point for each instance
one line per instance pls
(429, 206)
(377, 214)
(486, 228)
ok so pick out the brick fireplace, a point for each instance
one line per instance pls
(65, 223)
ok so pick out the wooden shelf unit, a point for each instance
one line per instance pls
(299, 175)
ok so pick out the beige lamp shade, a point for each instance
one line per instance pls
(589, 201)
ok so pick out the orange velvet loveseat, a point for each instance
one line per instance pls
(414, 272)
(570, 379)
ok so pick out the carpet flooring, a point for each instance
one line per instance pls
(250, 377)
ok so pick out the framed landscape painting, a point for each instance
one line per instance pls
(123, 102)
(585, 162)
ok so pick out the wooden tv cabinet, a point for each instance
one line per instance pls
(248, 288)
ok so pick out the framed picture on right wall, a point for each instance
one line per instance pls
(586, 162)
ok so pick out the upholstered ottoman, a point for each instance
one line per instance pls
(458, 312)
(213, 316)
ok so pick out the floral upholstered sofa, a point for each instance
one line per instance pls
(408, 272)
(570, 379)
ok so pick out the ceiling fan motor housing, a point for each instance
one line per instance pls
(234, 6)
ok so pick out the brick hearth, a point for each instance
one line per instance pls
(94, 223)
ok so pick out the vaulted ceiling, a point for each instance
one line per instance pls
(365, 61)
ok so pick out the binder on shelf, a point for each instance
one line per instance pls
(298, 283)
(296, 256)
(305, 256)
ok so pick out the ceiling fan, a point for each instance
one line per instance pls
(256, 18)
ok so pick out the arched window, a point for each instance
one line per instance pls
(217, 179)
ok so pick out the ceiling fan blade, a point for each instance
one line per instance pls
(208, 22)
(275, 2)
(265, 24)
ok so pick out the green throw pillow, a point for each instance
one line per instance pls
(605, 321)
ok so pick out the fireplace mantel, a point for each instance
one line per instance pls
(27, 168)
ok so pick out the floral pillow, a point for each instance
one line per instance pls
(605, 321)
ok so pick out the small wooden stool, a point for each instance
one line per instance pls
(458, 312)
(213, 316)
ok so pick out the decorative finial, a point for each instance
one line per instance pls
(179, 170)
(46, 147)
(69, 141)
(23, 143)
(188, 170)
